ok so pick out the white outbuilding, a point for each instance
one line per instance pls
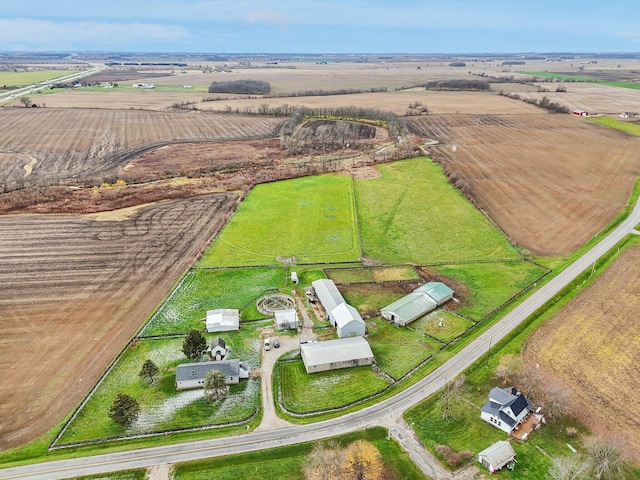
(336, 354)
(348, 321)
(286, 319)
(328, 295)
(497, 456)
(223, 320)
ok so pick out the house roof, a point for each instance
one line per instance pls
(344, 314)
(411, 306)
(223, 316)
(519, 404)
(503, 396)
(218, 342)
(332, 351)
(198, 371)
(438, 291)
(327, 293)
(498, 454)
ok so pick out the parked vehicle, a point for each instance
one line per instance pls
(276, 343)
(267, 344)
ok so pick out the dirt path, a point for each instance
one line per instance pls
(160, 472)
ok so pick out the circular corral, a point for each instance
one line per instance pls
(270, 303)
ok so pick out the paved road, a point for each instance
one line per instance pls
(378, 414)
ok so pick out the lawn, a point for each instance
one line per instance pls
(578, 78)
(369, 298)
(412, 214)
(162, 407)
(311, 218)
(627, 127)
(302, 392)
(349, 275)
(15, 79)
(396, 349)
(206, 289)
(139, 474)
(489, 284)
(286, 463)
(392, 274)
(441, 325)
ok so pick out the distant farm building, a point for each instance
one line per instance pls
(192, 375)
(418, 303)
(343, 316)
(294, 278)
(580, 113)
(497, 456)
(336, 354)
(223, 320)
(629, 115)
(218, 349)
(286, 319)
(506, 409)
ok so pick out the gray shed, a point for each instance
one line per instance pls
(497, 456)
(335, 354)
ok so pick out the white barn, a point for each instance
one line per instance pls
(497, 456)
(192, 375)
(336, 354)
(348, 321)
(223, 320)
(328, 295)
(286, 319)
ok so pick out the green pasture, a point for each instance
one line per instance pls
(394, 273)
(396, 349)
(139, 474)
(19, 79)
(489, 284)
(581, 78)
(626, 127)
(441, 325)
(368, 299)
(349, 275)
(287, 463)
(413, 214)
(302, 392)
(311, 218)
(204, 289)
(162, 407)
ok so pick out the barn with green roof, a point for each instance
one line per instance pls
(418, 303)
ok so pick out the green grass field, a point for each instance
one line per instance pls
(397, 350)
(393, 274)
(302, 392)
(139, 474)
(413, 214)
(286, 463)
(162, 407)
(579, 78)
(18, 79)
(490, 284)
(442, 325)
(204, 289)
(349, 275)
(312, 218)
(630, 128)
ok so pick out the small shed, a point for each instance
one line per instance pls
(294, 278)
(580, 113)
(348, 321)
(336, 354)
(223, 320)
(286, 319)
(497, 456)
(218, 349)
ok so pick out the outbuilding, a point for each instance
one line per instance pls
(328, 295)
(497, 456)
(408, 308)
(286, 319)
(348, 321)
(223, 320)
(437, 291)
(218, 349)
(336, 354)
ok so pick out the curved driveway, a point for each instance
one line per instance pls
(378, 414)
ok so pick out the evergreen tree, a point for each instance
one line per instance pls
(124, 410)
(149, 370)
(194, 344)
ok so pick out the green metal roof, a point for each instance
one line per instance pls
(436, 290)
(411, 306)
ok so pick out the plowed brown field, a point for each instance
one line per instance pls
(550, 181)
(76, 144)
(593, 346)
(74, 289)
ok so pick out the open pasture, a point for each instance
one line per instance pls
(19, 79)
(413, 214)
(311, 218)
(591, 347)
(441, 325)
(76, 289)
(550, 181)
(66, 144)
(204, 289)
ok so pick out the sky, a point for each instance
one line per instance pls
(321, 26)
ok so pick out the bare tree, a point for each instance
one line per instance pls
(451, 394)
(26, 101)
(606, 462)
(508, 366)
(554, 399)
(324, 462)
(569, 468)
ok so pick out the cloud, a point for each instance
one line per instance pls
(269, 16)
(87, 35)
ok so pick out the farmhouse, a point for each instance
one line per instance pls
(192, 375)
(336, 354)
(286, 319)
(506, 409)
(218, 349)
(348, 321)
(497, 456)
(223, 320)
(418, 303)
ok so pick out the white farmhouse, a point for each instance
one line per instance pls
(506, 409)
(223, 320)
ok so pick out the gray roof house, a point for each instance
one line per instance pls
(506, 409)
(192, 375)
(421, 301)
(497, 456)
(335, 354)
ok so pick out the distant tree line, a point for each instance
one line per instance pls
(241, 87)
(544, 102)
(457, 84)
(304, 93)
